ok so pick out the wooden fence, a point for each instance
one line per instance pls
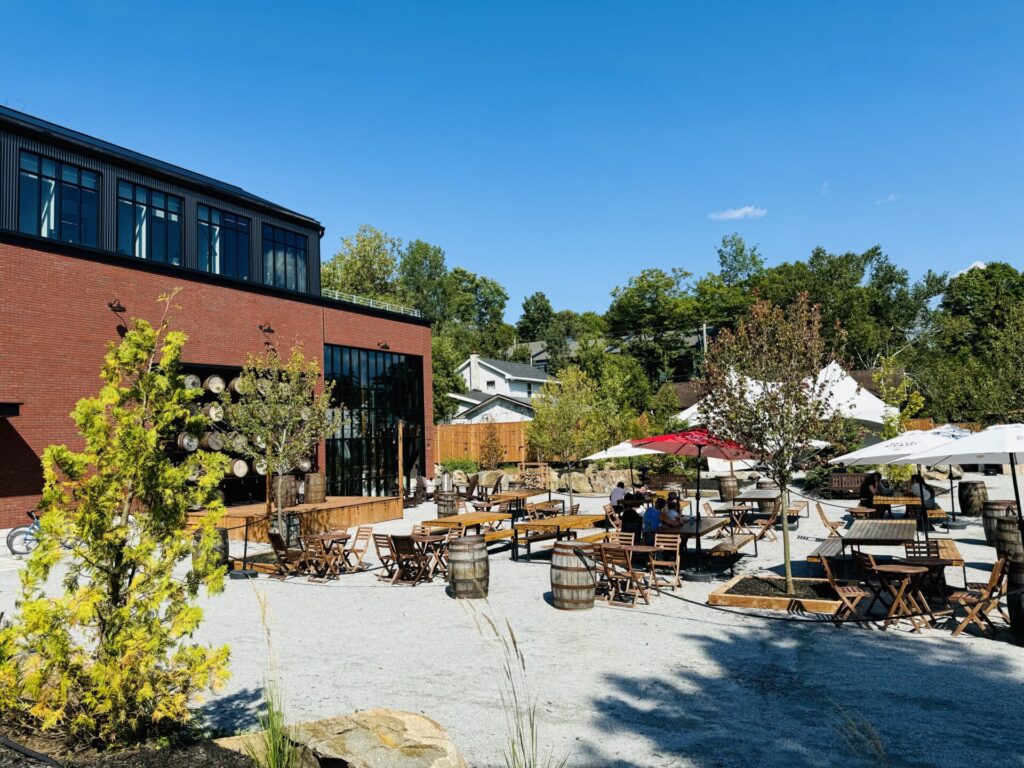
(463, 441)
(926, 424)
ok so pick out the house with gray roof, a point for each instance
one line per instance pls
(497, 391)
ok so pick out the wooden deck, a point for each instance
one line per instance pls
(337, 512)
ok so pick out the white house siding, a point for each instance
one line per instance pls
(499, 412)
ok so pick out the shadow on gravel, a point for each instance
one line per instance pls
(233, 714)
(787, 694)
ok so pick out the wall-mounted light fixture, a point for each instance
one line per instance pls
(383, 345)
(116, 306)
(265, 328)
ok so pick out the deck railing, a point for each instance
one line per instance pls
(366, 301)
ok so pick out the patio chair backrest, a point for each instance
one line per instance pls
(828, 570)
(278, 545)
(613, 517)
(420, 530)
(364, 534)
(821, 514)
(996, 577)
(455, 532)
(382, 542)
(497, 485)
(421, 483)
(708, 509)
(575, 509)
(616, 559)
(471, 488)
(620, 538)
(865, 562)
(921, 548)
(667, 543)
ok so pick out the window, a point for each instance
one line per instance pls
(58, 200)
(374, 390)
(529, 389)
(223, 242)
(148, 224)
(284, 258)
(491, 383)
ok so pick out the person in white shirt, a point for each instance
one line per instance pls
(617, 495)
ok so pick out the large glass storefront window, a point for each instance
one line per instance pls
(374, 390)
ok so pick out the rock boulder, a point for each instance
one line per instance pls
(576, 480)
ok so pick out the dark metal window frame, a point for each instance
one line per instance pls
(200, 221)
(268, 236)
(150, 222)
(59, 182)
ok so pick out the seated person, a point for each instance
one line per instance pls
(919, 487)
(873, 486)
(652, 519)
(671, 519)
(617, 495)
(632, 523)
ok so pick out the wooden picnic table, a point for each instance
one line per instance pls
(552, 527)
(759, 494)
(468, 520)
(555, 505)
(883, 533)
(517, 497)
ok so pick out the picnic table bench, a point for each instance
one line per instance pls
(555, 528)
(730, 547)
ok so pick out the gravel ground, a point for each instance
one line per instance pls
(673, 684)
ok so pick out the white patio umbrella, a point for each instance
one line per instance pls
(895, 450)
(1001, 444)
(624, 450)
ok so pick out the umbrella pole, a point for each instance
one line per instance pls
(952, 498)
(696, 501)
(1016, 495)
(632, 480)
(922, 516)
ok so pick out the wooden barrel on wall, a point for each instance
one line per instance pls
(316, 489)
(446, 501)
(1008, 542)
(1015, 596)
(728, 488)
(972, 495)
(239, 468)
(573, 575)
(991, 511)
(469, 571)
(214, 384)
(766, 506)
(235, 385)
(289, 490)
(214, 412)
(191, 381)
(211, 441)
(187, 442)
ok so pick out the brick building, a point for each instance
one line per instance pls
(87, 228)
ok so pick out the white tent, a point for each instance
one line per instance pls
(851, 400)
(623, 450)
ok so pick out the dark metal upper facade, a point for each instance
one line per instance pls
(117, 168)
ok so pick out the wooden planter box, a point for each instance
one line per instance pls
(721, 596)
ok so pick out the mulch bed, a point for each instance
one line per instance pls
(761, 586)
(199, 754)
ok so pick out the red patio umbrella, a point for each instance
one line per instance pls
(701, 444)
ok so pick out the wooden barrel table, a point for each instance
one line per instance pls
(289, 490)
(728, 488)
(445, 502)
(766, 507)
(316, 492)
(972, 495)
(469, 571)
(573, 575)
(1008, 542)
(992, 511)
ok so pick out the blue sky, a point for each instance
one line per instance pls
(565, 146)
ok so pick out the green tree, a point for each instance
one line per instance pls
(738, 264)
(651, 315)
(896, 389)
(569, 421)
(536, 318)
(423, 280)
(491, 450)
(107, 658)
(446, 360)
(366, 265)
(761, 389)
(280, 414)
(665, 408)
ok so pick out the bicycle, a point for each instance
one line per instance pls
(24, 538)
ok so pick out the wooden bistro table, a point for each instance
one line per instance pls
(882, 533)
(557, 528)
(554, 507)
(899, 580)
(328, 552)
(516, 499)
(433, 544)
(468, 520)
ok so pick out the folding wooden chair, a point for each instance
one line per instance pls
(850, 596)
(980, 599)
(382, 544)
(624, 583)
(419, 529)
(613, 517)
(574, 509)
(290, 562)
(832, 526)
(928, 548)
(470, 493)
(353, 553)
(766, 526)
(620, 538)
(318, 562)
(667, 556)
(412, 565)
(866, 564)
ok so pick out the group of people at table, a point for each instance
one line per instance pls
(875, 488)
(662, 515)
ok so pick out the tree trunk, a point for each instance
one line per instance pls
(784, 512)
(280, 503)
